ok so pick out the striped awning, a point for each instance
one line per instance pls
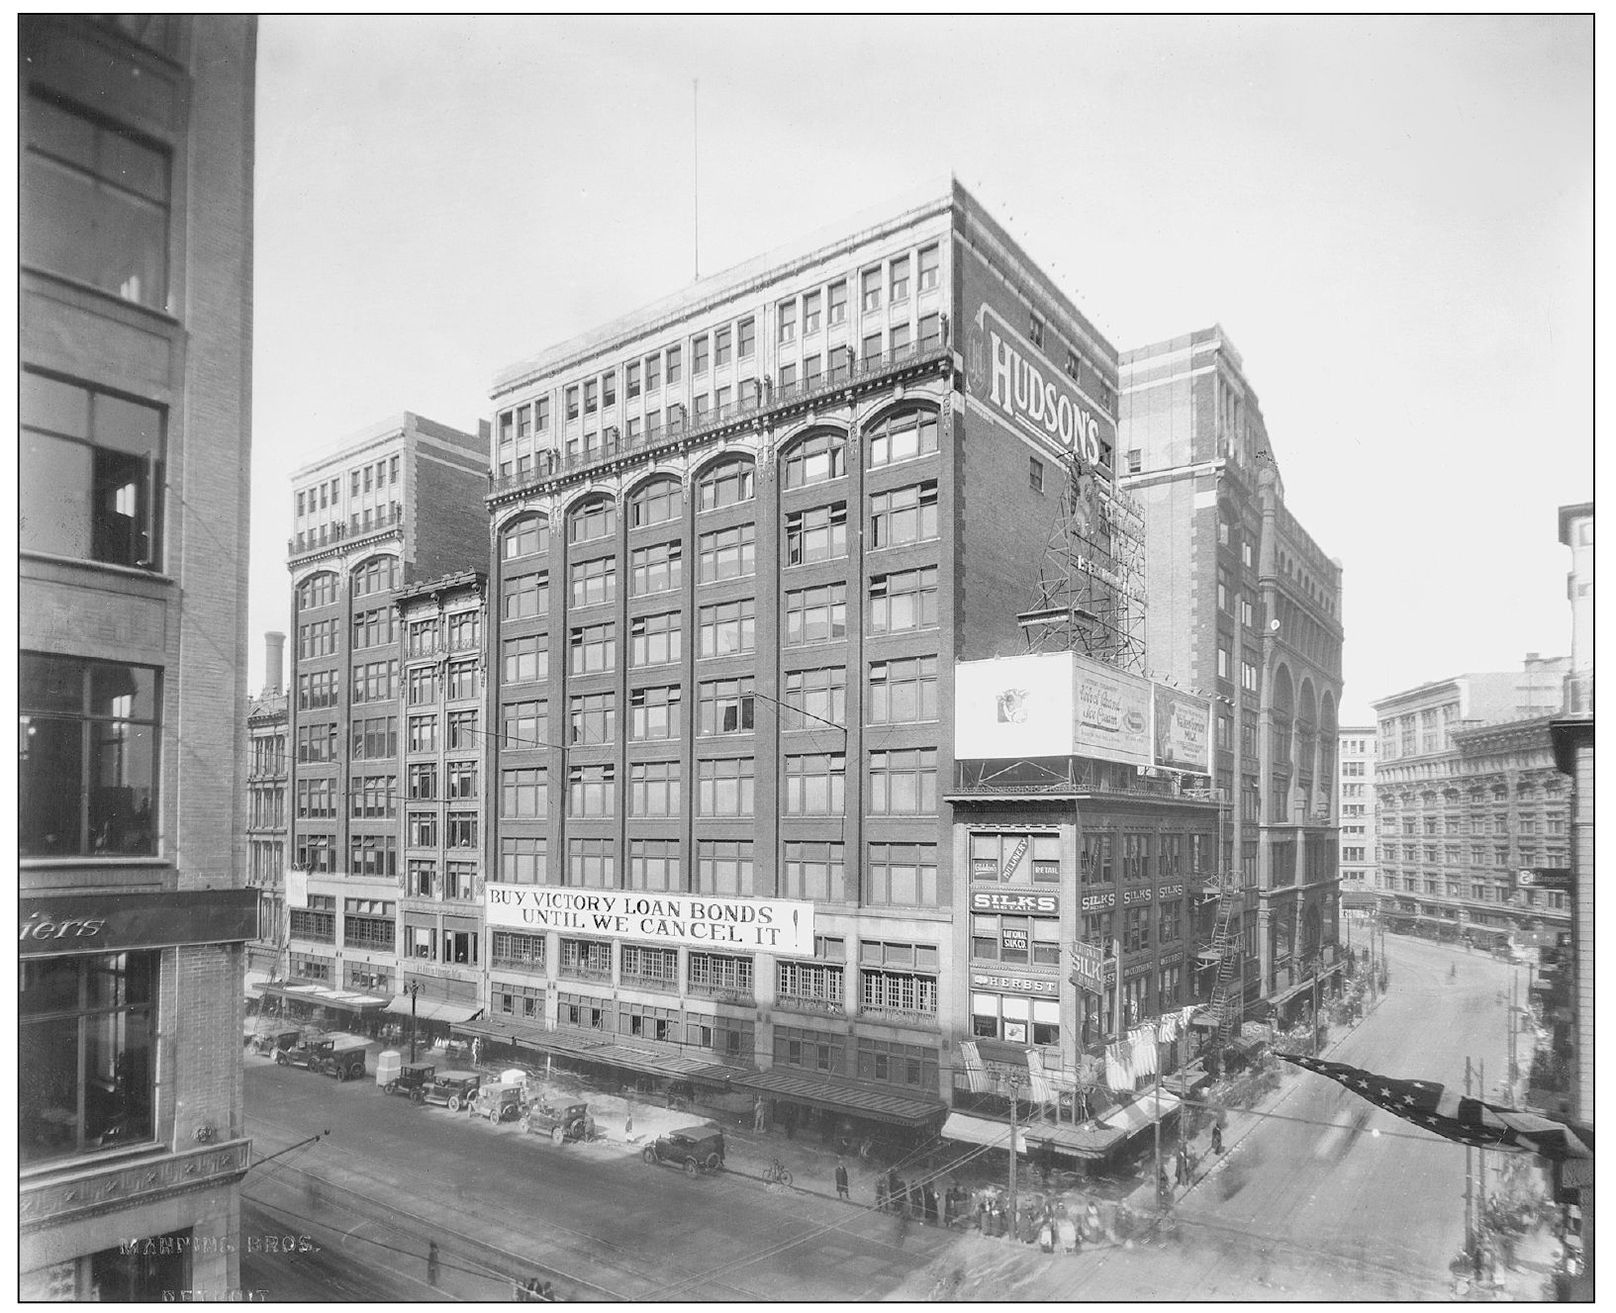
(980, 1130)
(1130, 1118)
(880, 1102)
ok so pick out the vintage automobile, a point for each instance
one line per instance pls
(342, 1057)
(571, 1122)
(269, 1043)
(499, 1102)
(412, 1080)
(300, 1048)
(453, 1090)
(696, 1148)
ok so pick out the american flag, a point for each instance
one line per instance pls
(1457, 1116)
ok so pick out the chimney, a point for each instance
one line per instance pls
(274, 663)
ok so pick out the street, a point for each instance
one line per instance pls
(1296, 1210)
(593, 1218)
(1321, 1196)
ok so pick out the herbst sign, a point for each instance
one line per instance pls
(773, 925)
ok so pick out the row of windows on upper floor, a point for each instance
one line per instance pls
(370, 482)
(884, 282)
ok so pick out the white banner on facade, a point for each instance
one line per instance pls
(770, 925)
(297, 888)
(1014, 707)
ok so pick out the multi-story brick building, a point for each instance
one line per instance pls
(1355, 764)
(736, 570)
(266, 816)
(445, 728)
(1467, 795)
(135, 344)
(1245, 605)
(397, 503)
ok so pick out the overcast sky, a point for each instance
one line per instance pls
(1392, 219)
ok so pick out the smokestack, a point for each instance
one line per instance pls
(274, 663)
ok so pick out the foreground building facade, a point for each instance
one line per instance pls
(733, 575)
(1246, 606)
(135, 347)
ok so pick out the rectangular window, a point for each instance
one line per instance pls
(727, 484)
(87, 1053)
(698, 356)
(836, 303)
(95, 204)
(726, 628)
(594, 582)
(423, 733)
(593, 649)
(819, 534)
(88, 759)
(526, 659)
(608, 390)
(463, 732)
(653, 372)
(815, 871)
(724, 866)
(746, 339)
(631, 380)
(372, 796)
(592, 718)
(92, 472)
(592, 522)
(592, 790)
(724, 786)
(572, 402)
(815, 784)
(375, 681)
(654, 864)
(903, 874)
(811, 303)
(525, 596)
(373, 855)
(904, 600)
(903, 782)
(654, 639)
(725, 706)
(898, 279)
(787, 319)
(462, 680)
(727, 554)
(870, 290)
(653, 713)
(591, 863)
(904, 515)
(521, 860)
(653, 788)
(721, 348)
(930, 266)
(655, 569)
(815, 615)
(903, 691)
(814, 698)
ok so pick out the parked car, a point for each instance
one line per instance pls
(571, 1122)
(696, 1148)
(342, 1056)
(412, 1080)
(303, 1049)
(269, 1043)
(499, 1103)
(453, 1090)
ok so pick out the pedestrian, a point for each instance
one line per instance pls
(757, 1114)
(1066, 1226)
(930, 1197)
(1217, 1138)
(477, 1051)
(917, 1202)
(628, 1123)
(1164, 1189)
(841, 1179)
(1046, 1233)
(880, 1193)
(1181, 1167)
(948, 1207)
(432, 1262)
(1091, 1221)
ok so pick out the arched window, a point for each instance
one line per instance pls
(902, 437)
(727, 484)
(817, 458)
(594, 519)
(657, 502)
(317, 590)
(377, 575)
(529, 535)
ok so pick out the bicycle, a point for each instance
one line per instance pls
(776, 1174)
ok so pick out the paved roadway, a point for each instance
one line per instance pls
(593, 1218)
(1296, 1210)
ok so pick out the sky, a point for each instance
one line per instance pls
(1392, 219)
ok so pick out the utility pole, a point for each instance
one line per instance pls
(1011, 1082)
(1470, 1181)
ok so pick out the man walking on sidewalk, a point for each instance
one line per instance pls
(841, 1179)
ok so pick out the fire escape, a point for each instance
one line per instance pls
(1222, 955)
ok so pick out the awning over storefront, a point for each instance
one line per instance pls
(322, 996)
(1131, 1118)
(1093, 1142)
(879, 1102)
(1184, 1083)
(1281, 997)
(432, 1009)
(967, 1129)
(997, 1050)
(648, 1056)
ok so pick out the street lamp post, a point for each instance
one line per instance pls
(412, 989)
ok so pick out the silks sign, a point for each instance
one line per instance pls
(1032, 395)
(772, 925)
